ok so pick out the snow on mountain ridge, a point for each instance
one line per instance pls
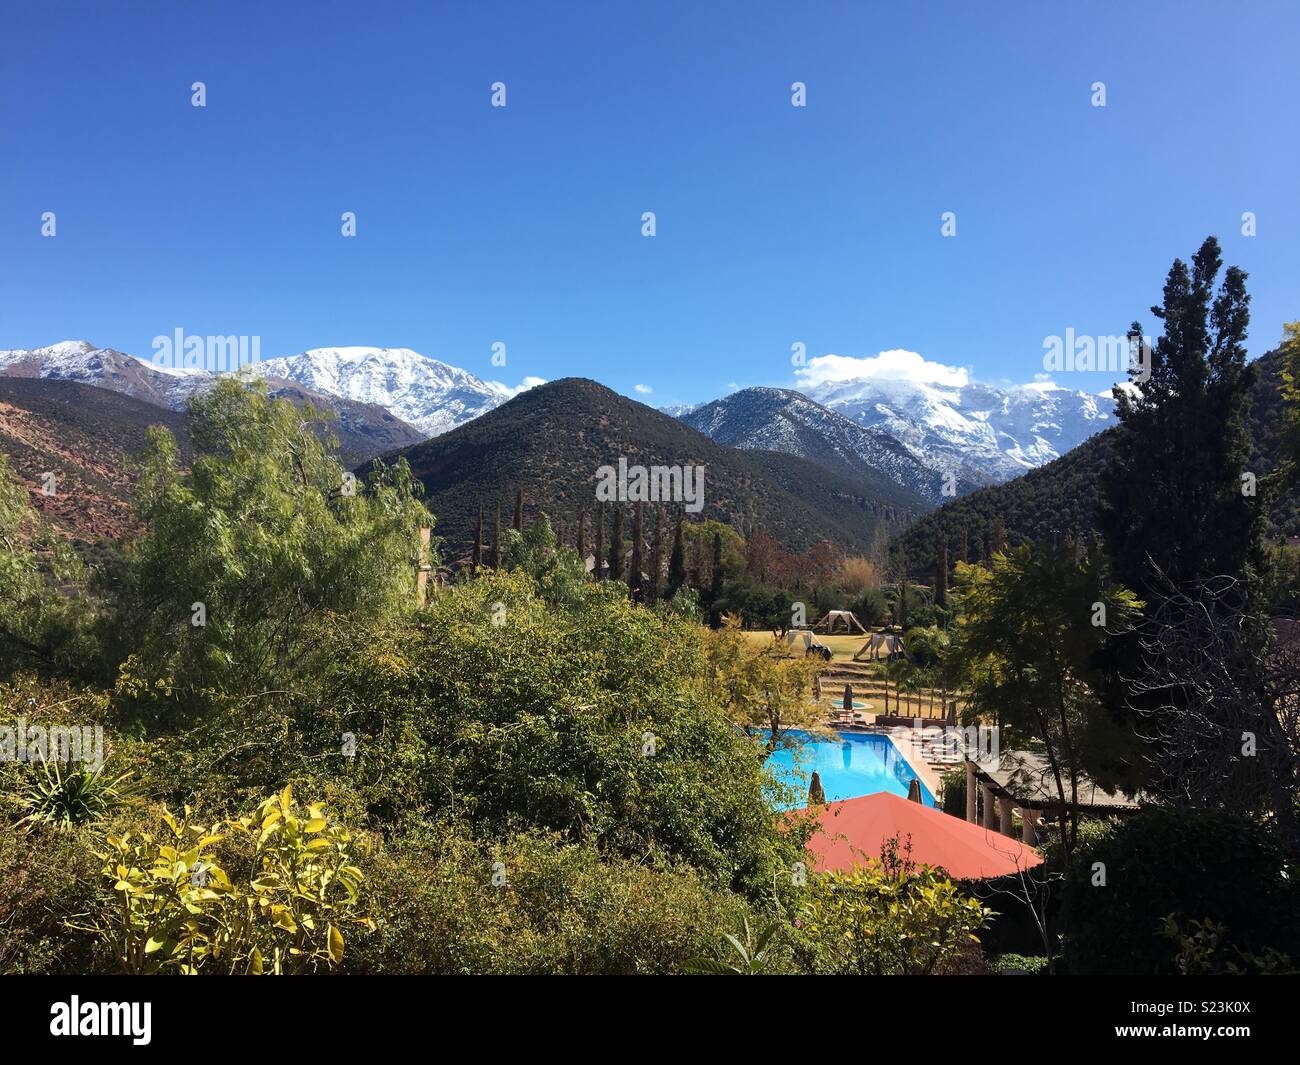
(978, 432)
(779, 419)
(427, 394)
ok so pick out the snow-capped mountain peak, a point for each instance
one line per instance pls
(780, 419)
(983, 433)
(428, 394)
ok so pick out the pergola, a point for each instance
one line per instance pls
(1023, 780)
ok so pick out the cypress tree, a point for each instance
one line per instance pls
(478, 541)
(519, 511)
(998, 537)
(496, 540)
(1175, 513)
(582, 537)
(657, 566)
(616, 545)
(599, 569)
(1172, 492)
(715, 578)
(634, 578)
(941, 574)
(676, 562)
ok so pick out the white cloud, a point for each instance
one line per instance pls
(523, 386)
(643, 390)
(895, 365)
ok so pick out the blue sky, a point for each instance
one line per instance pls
(775, 224)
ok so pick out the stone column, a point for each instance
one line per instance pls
(971, 808)
(1030, 818)
(990, 813)
(1006, 824)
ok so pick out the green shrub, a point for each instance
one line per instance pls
(1032, 964)
(888, 918)
(595, 721)
(62, 797)
(954, 793)
(49, 891)
(1191, 865)
(555, 907)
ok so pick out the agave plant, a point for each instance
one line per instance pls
(748, 955)
(64, 799)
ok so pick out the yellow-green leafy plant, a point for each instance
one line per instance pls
(889, 917)
(178, 910)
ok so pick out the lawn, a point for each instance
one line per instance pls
(843, 647)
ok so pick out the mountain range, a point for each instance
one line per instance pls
(383, 398)
(931, 438)
(865, 455)
(966, 436)
(778, 419)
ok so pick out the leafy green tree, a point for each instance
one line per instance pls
(265, 532)
(760, 689)
(509, 708)
(46, 612)
(1290, 389)
(1026, 650)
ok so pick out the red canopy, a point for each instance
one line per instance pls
(963, 850)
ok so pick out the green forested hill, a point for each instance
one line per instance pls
(1060, 498)
(550, 441)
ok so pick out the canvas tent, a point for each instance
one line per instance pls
(842, 617)
(888, 643)
(805, 640)
(799, 638)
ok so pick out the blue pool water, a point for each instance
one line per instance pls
(857, 764)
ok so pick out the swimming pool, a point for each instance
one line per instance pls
(856, 764)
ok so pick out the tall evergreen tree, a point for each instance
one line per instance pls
(1172, 497)
(941, 573)
(519, 511)
(676, 562)
(998, 537)
(616, 545)
(582, 536)
(634, 579)
(496, 539)
(478, 541)
(599, 568)
(715, 582)
(1181, 513)
(657, 563)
